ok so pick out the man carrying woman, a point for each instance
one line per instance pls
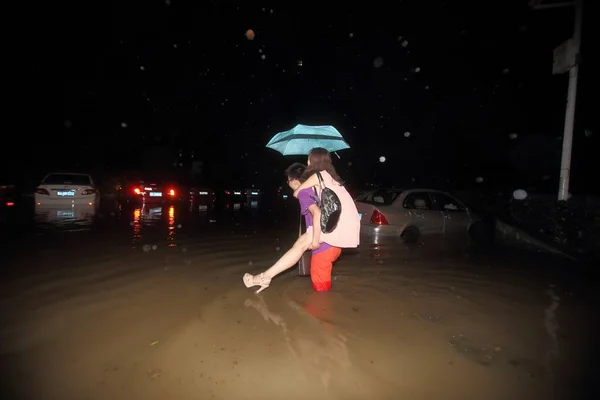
(326, 246)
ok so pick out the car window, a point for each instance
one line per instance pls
(67, 179)
(417, 201)
(379, 197)
(446, 203)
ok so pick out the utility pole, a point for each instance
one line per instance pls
(566, 58)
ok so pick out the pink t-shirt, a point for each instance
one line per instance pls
(347, 232)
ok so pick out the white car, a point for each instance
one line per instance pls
(59, 190)
(411, 214)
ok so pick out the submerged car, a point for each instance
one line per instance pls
(234, 196)
(66, 189)
(202, 197)
(8, 196)
(411, 214)
(8, 200)
(151, 191)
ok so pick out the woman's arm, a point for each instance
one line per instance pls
(313, 180)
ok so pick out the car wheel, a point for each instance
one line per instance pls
(411, 235)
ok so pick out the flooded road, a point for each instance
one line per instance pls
(148, 303)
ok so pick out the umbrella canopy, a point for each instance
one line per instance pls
(301, 139)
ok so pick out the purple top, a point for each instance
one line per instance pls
(307, 198)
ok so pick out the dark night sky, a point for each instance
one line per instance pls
(460, 76)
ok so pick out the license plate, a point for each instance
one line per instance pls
(65, 214)
(360, 216)
(155, 194)
(65, 193)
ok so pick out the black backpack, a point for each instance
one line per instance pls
(331, 207)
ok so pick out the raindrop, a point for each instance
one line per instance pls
(168, 2)
(349, 163)
(378, 62)
(178, 226)
(520, 194)
(406, 134)
(249, 262)
(277, 248)
(123, 124)
(260, 50)
(588, 132)
(399, 38)
(263, 56)
(505, 71)
(479, 179)
(418, 69)
(146, 248)
(142, 68)
(300, 63)
(404, 43)
(351, 35)
(427, 87)
(184, 249)
(131, 223)
(154, 247)
(382, 159)
(513, 136)
(250, 34)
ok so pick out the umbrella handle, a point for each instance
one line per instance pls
(338, 156)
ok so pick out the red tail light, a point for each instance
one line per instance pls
(171, 192)
(88, 192)
(136, 191)
(378, 218)
(42, 191)
(9, 204)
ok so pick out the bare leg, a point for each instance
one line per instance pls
(291, 257)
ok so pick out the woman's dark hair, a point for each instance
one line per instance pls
(295, 171)
(320, 160)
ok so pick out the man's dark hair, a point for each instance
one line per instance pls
(295, 171)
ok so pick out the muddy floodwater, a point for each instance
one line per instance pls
(148, 303)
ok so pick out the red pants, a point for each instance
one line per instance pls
(320, 268)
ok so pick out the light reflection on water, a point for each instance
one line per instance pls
(136, 225)
(146, 217)
(172, 230)
(69, 217)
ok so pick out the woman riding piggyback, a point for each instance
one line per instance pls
(347, 232)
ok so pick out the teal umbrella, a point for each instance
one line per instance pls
(301, 139)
